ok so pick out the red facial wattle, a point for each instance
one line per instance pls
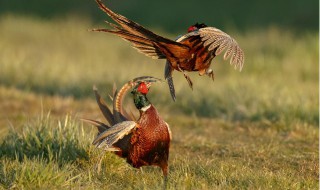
(142, 88)
(192, 28)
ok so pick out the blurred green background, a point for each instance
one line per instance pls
(174, 16)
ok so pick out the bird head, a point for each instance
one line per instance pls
(141, 86)
(139, 93)
(196, 26)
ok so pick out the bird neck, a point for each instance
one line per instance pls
(141, 102)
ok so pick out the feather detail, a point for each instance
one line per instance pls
(119, 96)
(214, 38)
(133, 27)
(118, 99)
(140, 36)
(100, 126)
(113, 134)
(103, 107)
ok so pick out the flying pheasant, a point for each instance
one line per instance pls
(193, 51)
(142, 142)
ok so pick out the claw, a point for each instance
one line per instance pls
(210, 73)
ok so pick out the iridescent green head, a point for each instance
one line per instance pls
(140, 92)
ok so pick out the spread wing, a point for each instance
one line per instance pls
(113, 134)
(142, 39)
(214, 38)
(217, 41)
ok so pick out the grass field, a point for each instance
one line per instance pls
(255, 129)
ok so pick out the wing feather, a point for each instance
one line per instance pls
(114, 134)
(217, 40)
(228, 53)
(136, 34)
(221, 48)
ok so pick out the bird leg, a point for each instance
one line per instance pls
(210, 73)
(165, 175)
(141, 170)
(186, 76)
(165, 182)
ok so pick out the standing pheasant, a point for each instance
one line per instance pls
(193, 51)
(143, 142)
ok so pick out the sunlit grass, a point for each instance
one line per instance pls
(255, 129)
(52, 153)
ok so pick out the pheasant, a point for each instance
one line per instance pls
(143, 142)
(193, 51)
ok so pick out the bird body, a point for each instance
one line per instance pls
(197, 59)
(193, 51)
(149, 144)
(141, 142)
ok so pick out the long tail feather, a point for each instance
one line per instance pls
(133, 27)
(103, 107)
(117, 102)
(171, 88)
(143, 45)
(100, 126)
(129, 27)
(118, 99)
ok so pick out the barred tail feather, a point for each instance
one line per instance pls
(103, 107)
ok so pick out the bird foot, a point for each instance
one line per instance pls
(210, 73)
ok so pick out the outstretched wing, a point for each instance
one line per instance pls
(217, 41)
(214, 38)
(113, 134)
(142, 39)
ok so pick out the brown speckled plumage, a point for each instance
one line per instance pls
(150, 142)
